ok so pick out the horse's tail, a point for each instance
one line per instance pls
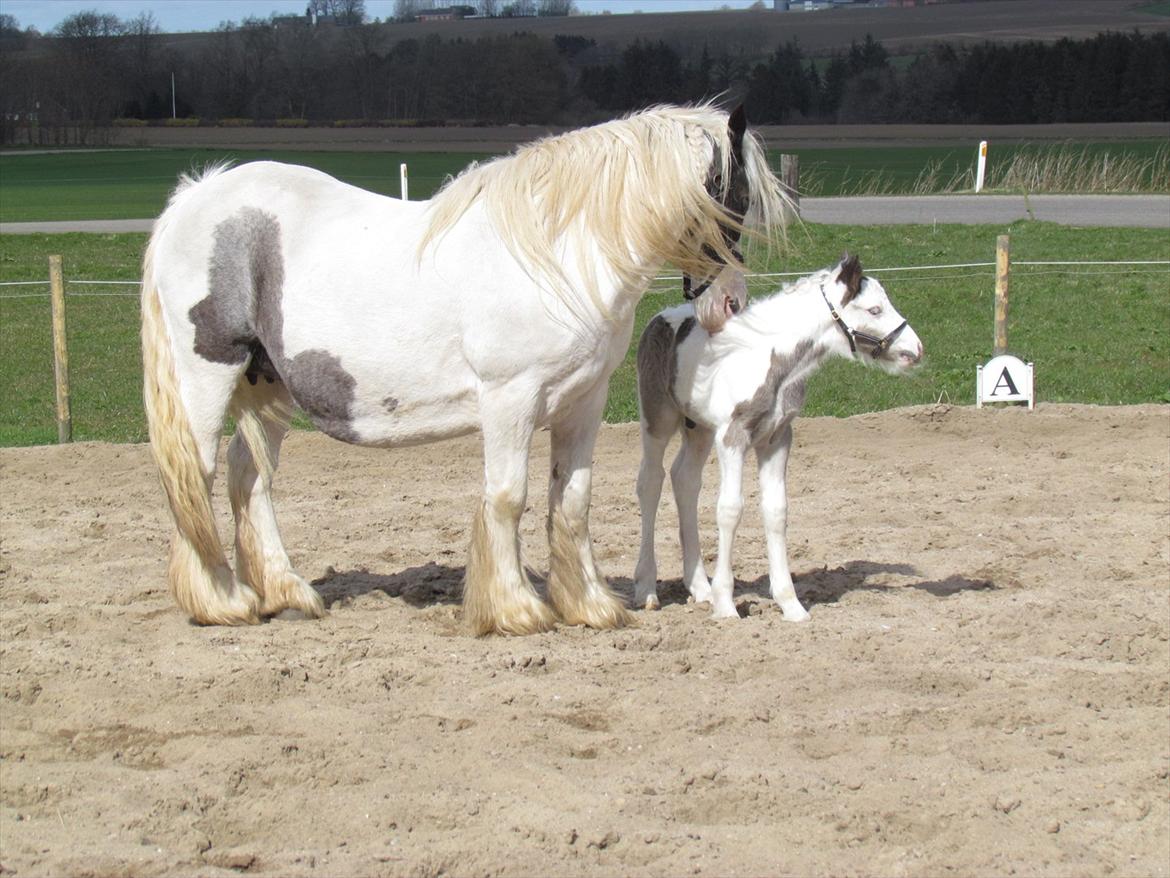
(200, 577)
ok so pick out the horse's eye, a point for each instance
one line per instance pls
(875, 310)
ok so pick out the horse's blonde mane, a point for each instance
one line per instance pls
(635, 187)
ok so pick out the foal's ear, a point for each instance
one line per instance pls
(850, 274)
(736, 126)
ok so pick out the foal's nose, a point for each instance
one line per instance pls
(914, 357)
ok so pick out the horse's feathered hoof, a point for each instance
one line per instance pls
(525, 615)
(601, 611)
(291, 592)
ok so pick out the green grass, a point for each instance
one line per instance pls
(1097, 334)
(133, 184)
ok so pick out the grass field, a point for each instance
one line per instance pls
(133, 184)
(1097, 334)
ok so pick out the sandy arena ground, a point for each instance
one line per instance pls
(983, 688)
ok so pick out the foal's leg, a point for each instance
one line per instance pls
(576, 588)
(497, 595)
(773, 459)
(686, 479)
(650, 477)
(263, 412)
(728, 511)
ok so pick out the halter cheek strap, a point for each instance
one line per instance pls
(878, 346)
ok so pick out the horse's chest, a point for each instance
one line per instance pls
(777, 400)
(588, 363)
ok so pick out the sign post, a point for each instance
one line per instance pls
(1005, 378)
(60, 350)
(1003, 270)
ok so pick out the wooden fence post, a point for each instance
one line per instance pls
(790, 180)
(60, 350)
(1002, 275)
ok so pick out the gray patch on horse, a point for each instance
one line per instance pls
(325, 391)
(684, 329)
(243, 317)
(752, 420)
(656, 370)
(246, 269)
(390, 403)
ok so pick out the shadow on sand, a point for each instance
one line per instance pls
(825, 586)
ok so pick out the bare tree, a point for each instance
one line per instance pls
(343, 12)
(553, 8)
(488, 8)
(85, 79)
(405, 10)
(519, 9)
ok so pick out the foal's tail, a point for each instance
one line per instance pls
(200, 578)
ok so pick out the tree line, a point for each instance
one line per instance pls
(96, 68)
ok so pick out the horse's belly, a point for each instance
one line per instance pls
(416, 423)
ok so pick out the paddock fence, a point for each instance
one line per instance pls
(58, 290)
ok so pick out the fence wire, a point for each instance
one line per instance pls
(754, 279)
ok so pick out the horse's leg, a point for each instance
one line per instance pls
(773, 459)
(686, 479)
(650, 477)
(184, 435)
(728, 510)
(497, 595)
(262, 412)
(576, 588)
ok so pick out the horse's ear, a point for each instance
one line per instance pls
(850, 275)
(736, 127)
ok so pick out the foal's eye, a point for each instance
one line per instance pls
(875, 310)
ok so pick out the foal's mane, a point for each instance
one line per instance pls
(634, 187)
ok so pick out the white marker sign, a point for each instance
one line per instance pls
(1004, 379)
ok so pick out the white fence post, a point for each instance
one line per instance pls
(980, 165)
(402, 180)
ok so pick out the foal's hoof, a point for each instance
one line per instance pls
(794, 612)
(651, 603)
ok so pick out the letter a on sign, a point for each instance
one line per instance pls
(1004, 379)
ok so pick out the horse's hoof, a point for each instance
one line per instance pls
(242, 607)
(291, 592)
(522, 618)
(651, 603)
(603, 612)
(724, 612)
(794, 612)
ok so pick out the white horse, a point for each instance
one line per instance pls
(741, 389)
(501, 305)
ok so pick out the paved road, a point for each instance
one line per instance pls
(1147, 211)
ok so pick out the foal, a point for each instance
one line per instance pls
(741, 388)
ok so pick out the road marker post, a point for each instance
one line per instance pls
(980, 165)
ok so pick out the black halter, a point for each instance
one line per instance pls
(878, 345)
(693, 292)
